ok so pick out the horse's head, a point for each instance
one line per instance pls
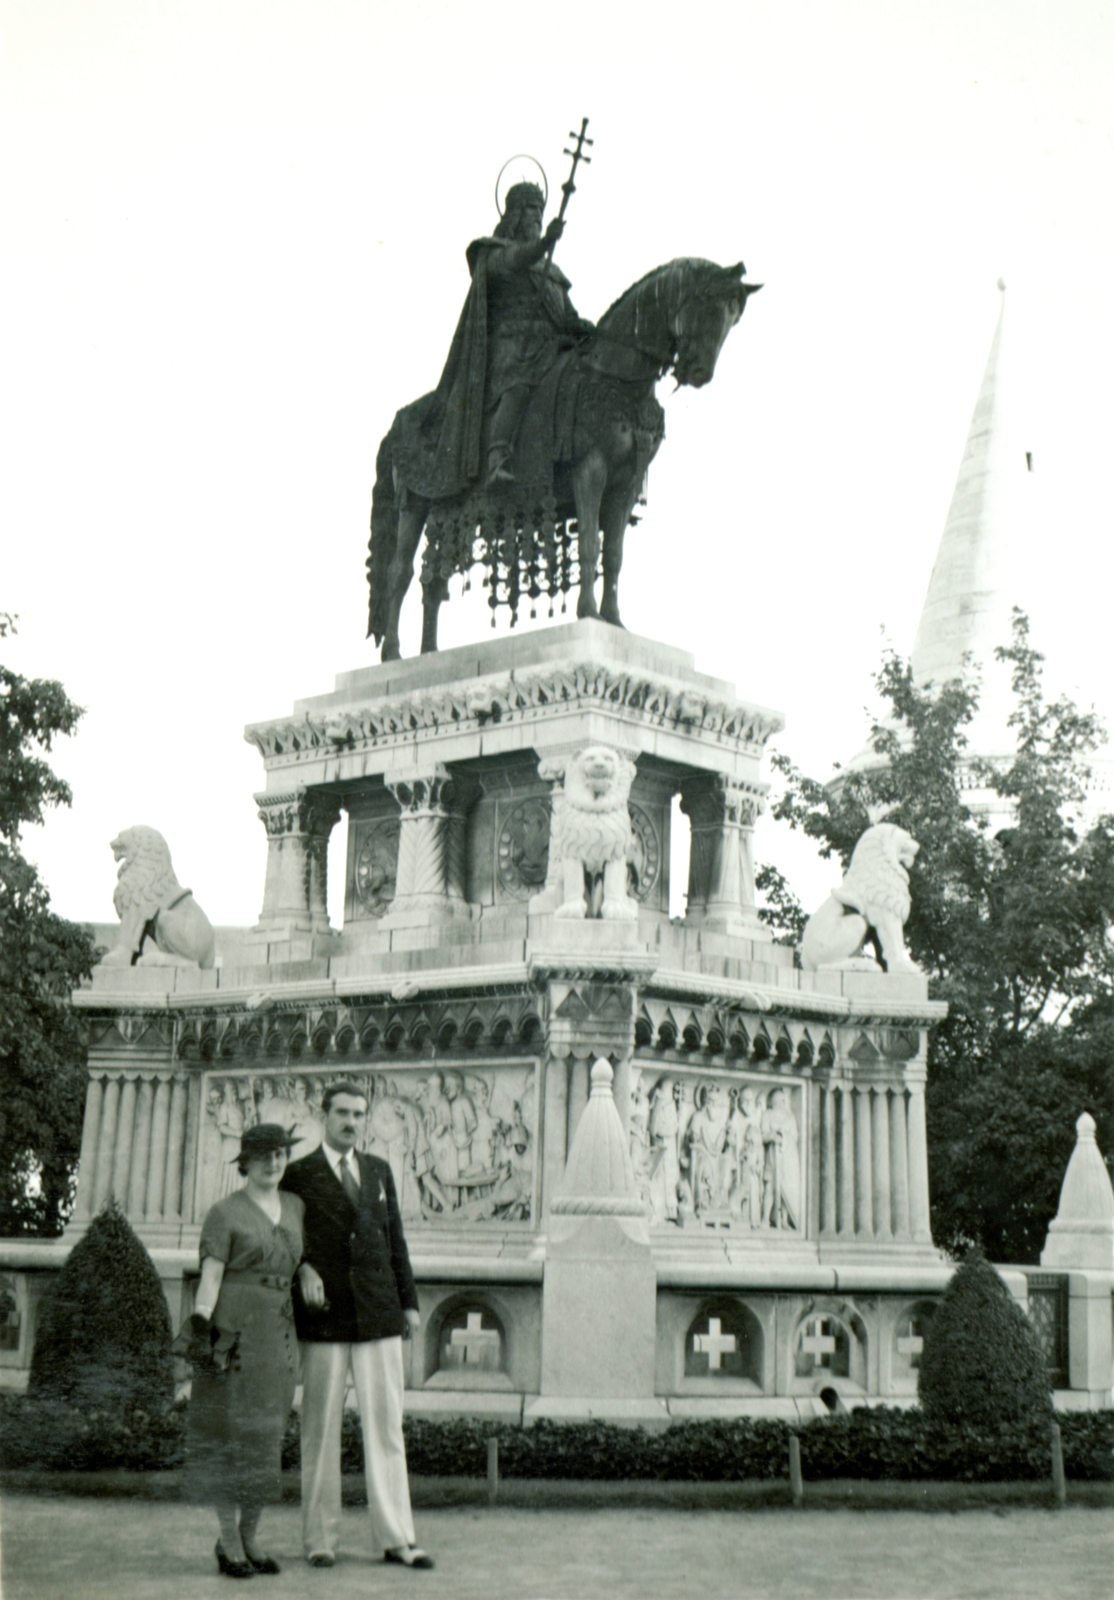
(706, 313)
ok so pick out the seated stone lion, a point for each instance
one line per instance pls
(874, 896)
(152, 904)
(591, 839)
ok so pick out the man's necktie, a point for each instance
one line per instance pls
(348, 1182)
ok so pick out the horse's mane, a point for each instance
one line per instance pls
(694, 264)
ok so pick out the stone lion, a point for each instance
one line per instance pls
(591, 839)
(152, 904)
(873, 897)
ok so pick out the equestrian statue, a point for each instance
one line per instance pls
(538, 437)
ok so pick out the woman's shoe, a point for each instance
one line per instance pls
(233, 1569)
(265, 1564)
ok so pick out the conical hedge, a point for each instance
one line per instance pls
(104, 1334)
(982, 1362)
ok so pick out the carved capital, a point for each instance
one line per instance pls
(722, 811)
(433, 811)
(295, 894)
(302, 811)
(427, 793)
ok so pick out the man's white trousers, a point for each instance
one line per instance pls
(376, 1367)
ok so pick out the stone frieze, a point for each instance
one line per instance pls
(635, 697)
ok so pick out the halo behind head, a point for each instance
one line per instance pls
(519, 172)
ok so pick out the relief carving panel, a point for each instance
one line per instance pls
(719, 1151)
(460, 1141)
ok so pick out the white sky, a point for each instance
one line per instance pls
(233, 246)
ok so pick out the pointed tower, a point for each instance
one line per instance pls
(980, 569)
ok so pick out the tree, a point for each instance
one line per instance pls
(42, 959)
(1011, 928)
(104, 1334)
(982, 1363)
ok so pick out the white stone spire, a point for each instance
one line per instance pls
(980, 569)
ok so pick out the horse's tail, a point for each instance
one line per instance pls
(384, 537)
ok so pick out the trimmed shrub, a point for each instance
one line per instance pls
(43, 1434)
(871, 1442)
(103, 1342)
(874, 1443)
(982, 1364)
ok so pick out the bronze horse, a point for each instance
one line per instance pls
(592, 426)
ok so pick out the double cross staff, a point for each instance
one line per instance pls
(569, 187)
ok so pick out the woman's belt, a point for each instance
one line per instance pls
(264, 1280)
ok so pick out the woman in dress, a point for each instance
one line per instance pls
(243, 1349)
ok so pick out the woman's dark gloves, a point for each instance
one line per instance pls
(207, 1348)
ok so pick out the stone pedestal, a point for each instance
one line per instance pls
(1081, 1242)
(599, 1296)
(747, 1225)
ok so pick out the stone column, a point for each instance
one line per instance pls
(918, 1166)
(722, 812)
(122, 1157)
(899, 1163)
(141, 1154)
(827, 1161)
(176, 1136)
(846, 1162)
(430, 882)
(864, 1166)
(106, 1144)
(295, 893)
(880, 1172)
(90, 1138)
(156, 1168)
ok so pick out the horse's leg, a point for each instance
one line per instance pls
(432, 596)
(589, 479)
(615, 518)
(411, 521)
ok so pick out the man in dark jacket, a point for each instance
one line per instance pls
(354, 1303)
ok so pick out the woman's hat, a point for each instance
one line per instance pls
(265, 1137)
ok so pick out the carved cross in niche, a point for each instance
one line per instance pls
(820, 1343)
(912, 1343)
(715, 1344)
(474, 1338)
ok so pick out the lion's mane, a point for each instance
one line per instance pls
(146, 877)
(876, 879)
(594, 823)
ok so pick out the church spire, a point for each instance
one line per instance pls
(973, 588)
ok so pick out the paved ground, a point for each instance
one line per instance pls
(124, 1549)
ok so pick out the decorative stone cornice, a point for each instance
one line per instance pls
(634, 697)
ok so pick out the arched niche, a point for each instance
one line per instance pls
(724, 1341)
(466, 1345)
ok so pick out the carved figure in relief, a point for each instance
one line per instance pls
(640, 1139)
(873, 901)
(592, 839)
(665, 1163)
(705, 1146)
(452, 1156)
(228, 1114)
(463, 1121)
(747, 1155)
(152, 905)
(486, 1137)
(781, 1194)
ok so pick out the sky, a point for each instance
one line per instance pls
(233, 246)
